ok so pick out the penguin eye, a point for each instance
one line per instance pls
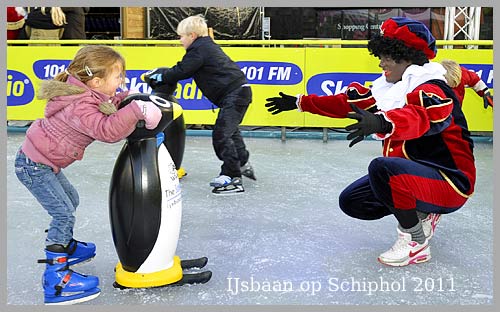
(160, 101)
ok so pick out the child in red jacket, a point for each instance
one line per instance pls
(459, 78)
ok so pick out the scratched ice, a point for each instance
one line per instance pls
(283, 241)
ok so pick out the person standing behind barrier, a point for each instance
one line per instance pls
(459, 78)
(76, 114)
(224, 84)
(15, 22)
(75, 22)
(15, 30)
(427, 168)
(44, 23)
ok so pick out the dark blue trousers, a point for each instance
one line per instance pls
(401, 187)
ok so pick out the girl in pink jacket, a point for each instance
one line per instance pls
(76, 114)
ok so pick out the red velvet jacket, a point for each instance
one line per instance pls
(430, 129)
(15, 21)
(469, 80)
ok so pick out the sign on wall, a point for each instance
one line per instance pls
(298, 70)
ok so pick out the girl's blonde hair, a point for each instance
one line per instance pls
(93, 61)
(453, 74)
(193, 24)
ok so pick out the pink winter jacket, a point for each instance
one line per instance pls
(73, 121)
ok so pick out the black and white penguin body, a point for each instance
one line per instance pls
(145, 205)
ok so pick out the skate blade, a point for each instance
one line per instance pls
(228, 190)
(76, 300)
(249, 175)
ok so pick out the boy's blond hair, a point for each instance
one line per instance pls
(453, 74)
(193, 24)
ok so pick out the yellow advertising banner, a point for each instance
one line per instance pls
(269, 70)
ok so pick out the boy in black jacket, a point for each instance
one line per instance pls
(224, 84)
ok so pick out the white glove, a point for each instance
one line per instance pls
(151, 112)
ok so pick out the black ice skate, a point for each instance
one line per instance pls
(247, 171)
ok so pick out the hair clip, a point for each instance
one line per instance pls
(88, 71)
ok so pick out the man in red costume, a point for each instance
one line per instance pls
(427, 168)
(15, 21)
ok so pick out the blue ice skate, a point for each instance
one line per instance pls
(63, 286)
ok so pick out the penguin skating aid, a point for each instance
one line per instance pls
(187, 278)
(146, 208)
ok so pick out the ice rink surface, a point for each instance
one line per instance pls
(284, 241)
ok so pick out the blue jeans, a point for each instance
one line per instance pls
(54, 192)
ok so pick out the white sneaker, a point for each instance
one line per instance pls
(429, 224)
(405, 251)
(220, 181)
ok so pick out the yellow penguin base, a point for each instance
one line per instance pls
(146, 280)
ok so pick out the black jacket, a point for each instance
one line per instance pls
(75, 17)
(40, 20)
(213, 71)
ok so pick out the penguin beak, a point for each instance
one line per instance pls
(177, 110)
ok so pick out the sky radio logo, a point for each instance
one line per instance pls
(484, 71)
(335, 83)
(48, 69)
(271, 73)
(190, 96)
(20, 89)
(187, 93)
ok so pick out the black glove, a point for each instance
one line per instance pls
(155, 77)
(368, 123)
(488, 99)
(277, 105)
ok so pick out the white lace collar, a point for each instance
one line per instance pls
(393, 95)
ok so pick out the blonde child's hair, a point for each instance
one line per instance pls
(453, 74)
(93, 61)
(193, 24)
